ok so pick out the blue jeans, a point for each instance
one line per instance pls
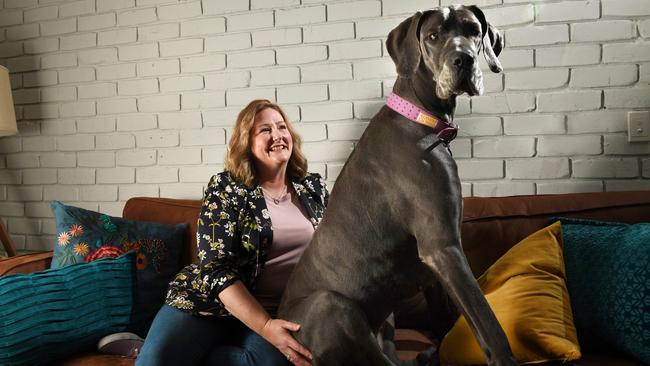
(179, 338)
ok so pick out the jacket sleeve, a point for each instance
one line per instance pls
(326, 193)
(218, 239)
(320, 189)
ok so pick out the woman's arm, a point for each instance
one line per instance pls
(240, 303)
(217, 238)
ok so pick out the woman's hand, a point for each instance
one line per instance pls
(278, 333)
(240, 303)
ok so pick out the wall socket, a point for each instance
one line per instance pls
(638, 126)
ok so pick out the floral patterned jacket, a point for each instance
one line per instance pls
(233, 237)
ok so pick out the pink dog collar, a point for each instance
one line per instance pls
(445, 131)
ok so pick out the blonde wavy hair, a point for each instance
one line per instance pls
(239, 159)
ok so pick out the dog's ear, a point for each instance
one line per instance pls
(404, 46)
(491, 38)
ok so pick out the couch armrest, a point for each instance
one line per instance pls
(26, 263)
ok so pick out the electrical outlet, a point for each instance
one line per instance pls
(638, 126)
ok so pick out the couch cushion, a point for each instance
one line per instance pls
(168, 211)
(526, 290)
(410, 342)
(608, 275)
(57, 312)
(85, 235)
(492, 225)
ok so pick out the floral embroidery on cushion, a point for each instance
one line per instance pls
(108, 225)
(154, 251)
(64, 239)
(141, 261)
(105, 251)
(75, 249)
(81, 249)
(76, 230)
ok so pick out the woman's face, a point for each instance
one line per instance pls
(271, 142)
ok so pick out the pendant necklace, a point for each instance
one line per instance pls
(276, 199)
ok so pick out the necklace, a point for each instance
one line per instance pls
(276, 199)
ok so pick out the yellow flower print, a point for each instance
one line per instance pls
(81, 249)
(248, 246)
(201, 255)
(182, 303)
(64, 238)
(215, 245)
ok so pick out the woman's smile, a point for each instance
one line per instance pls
(271, 142)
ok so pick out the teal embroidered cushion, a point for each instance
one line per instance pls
(608, 277)
(84, 236)
(58, 312)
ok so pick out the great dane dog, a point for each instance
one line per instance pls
(392, 227)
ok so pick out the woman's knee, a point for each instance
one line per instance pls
(174, 338)
(262, 353)
(252, 350)
(274, 358)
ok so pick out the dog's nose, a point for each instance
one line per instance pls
(462, 60)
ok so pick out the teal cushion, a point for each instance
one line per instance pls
(52, 314)
(84, 236)
(608, 277)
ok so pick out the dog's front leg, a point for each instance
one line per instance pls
(451, 267)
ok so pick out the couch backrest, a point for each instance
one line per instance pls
(490, 225)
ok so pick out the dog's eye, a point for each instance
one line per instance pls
(433, 36)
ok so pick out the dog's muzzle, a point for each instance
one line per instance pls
(460, 72)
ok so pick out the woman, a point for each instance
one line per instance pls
(256, 219)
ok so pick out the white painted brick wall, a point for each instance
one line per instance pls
(570, 186)
(568, 55)
(538, 35)
(480, 169)
(564, 101)
(569, 145)
(538, 168)
(503, 188)
(120, 98)
(568, 11)
(605, 168)
(602, 76)
(604, 30)
(482, 126)
(301, 15)
(502, 147)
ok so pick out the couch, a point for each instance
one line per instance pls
(490, 227)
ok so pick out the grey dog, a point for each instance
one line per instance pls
(392, 227)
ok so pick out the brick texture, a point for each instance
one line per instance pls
(123, 98)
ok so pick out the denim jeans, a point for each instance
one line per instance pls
(179, 338)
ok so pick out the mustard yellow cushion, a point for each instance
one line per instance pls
(527, 291)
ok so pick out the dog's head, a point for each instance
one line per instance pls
(444, 43)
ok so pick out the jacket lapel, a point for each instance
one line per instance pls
(307, 201)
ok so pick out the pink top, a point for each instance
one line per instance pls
(292, 231)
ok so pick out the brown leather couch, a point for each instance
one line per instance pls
(490, 227)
